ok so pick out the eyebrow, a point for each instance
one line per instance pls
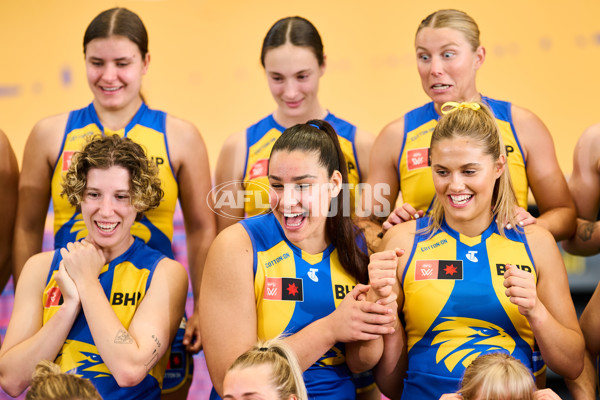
(304, 71)
(443, 47)
(116, 59)
(296, 178)
(469, 165)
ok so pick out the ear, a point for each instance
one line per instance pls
(323, 66)
(292, 397)
(479, 57)
(336, 183)
(146, 62)
(500, 165)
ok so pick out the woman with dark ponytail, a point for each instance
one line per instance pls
(298, 271)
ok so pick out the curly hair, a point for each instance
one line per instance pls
(104, 152)
(49, 383)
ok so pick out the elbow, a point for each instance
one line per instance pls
(12, 385)
(128, 377)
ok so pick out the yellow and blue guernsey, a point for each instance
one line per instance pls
(293, 289)
(414, 163)
(260, 139)
(125, 280)
(147, 128)
(455, 306)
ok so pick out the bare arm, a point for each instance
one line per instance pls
(547, 305)
(229, 175)
(381, 192)
(27, 341)
(193, 175)
(41, 152)
(584, 185)
(129, 353)
(364, 143)
(9, 182)
(391, 369)
(547, 182)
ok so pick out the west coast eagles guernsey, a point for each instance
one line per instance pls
(455, 306)
(260, 138)
(125, 280)
(294, 289)
(147, 128)
(414, 163)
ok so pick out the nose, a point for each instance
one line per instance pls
(435, 66)
(290, 90)
(106, 207)
(290, 197)
(457, 185)
(109, 73)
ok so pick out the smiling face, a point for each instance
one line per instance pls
(115, 68)
(447, 65)
(301, 194)
(293, 74)
(464, 178)
(107, 210)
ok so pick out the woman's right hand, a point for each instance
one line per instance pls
(382, 273)
(355, 320)
(66, 285)
(404, 213)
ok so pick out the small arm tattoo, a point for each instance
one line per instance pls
(585, 231)
(123, 337)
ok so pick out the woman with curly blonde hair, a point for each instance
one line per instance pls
(49, 383)
(107, 307)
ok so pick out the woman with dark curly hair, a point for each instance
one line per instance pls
(107, 307)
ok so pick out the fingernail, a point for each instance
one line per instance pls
(416, 215)
(521, 223)
(508, 226)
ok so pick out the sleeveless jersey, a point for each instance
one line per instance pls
(455, 306)
(294, 289)
(414, 163)
(260, 138)
(125, 280)
(147, 128)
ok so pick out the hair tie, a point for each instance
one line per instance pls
(455, 106)
(315, 125)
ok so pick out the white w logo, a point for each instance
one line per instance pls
(272, 291)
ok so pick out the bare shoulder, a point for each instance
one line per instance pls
(527, 123)
(364, 138)
(590, 138)
(541, 242)
(400, 236)
(234, 144)
(232, 157)
(36, 269)
(234, 238)
(392, 131)
(8, 160)
(182, 129)
(46, 136)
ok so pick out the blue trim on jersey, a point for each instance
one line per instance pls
(422, 223)
(257, 131)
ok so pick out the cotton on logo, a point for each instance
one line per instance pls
(229, 196)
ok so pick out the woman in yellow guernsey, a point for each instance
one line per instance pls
(449, 55)
(105, 308)
(294, 62)
(115, 46)
(467, 285)
(297, 271)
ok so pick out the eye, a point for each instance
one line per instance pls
(303, 186)
(448, 54)
(122, 197)
(277, 78)
(122, 64)
(96, 63)
(441, 172)
(302, 77)
(469, 171)
(93, 195)
(276, 186)
(423, 57)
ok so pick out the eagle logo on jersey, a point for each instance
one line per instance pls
(82, 359)
(464, 339)
(333, 357)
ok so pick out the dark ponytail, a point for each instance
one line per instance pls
(317, 136)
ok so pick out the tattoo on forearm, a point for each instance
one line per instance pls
(152, 361)
(123, 337)
(156, 340)
(585, 231)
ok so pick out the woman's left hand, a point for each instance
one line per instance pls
(521, 289)
(522, 217)
(82, 260)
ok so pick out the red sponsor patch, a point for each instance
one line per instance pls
(67, 155)
(272, 289)
(259, 169)
(53, 298)
(417, 158)
(426, 269)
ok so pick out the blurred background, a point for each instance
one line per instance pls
(541, 55)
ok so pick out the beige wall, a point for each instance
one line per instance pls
(542, 55)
